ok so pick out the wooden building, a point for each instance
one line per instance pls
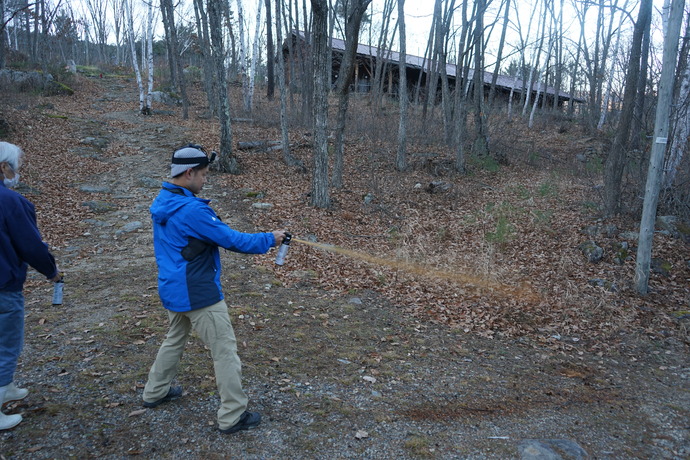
(418, 72)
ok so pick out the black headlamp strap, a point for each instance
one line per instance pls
(191, 161)
(201, 161)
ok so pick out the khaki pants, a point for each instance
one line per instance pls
(214, 327)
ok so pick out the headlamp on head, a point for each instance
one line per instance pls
(197, 160)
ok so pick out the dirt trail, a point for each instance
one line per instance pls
(334, 377)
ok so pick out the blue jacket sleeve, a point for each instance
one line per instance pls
(27, 240)
(208, 227)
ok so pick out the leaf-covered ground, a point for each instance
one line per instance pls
(405, 323)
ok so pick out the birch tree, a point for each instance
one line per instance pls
(320, 196)
(117, 28)
(143, 107)
(242, 52)
(661, 130)
(149, 55)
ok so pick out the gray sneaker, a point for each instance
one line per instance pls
(173, 393)
(247, 421)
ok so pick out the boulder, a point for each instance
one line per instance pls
(592, 251)
(166, 98)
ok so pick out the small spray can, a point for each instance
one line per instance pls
(283, 250)
(57, 291)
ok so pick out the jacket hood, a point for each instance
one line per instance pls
(170, 200)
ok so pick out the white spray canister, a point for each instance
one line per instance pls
(57, 291)
(283, 250)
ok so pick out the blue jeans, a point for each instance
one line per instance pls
(11, 333)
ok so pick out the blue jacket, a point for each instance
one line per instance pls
(20, 242)
(186, 237)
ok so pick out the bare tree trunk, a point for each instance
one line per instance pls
(226, 161)
(270, 52)
(149, 52)
(639, 114)
(460, 99)
(559, 56)
(207, 59)
(319, 191)
(497, 68)
(175, 58)
(661, 125)
(612, 68)
(681, 133)
(576, 70)
(616, 160)
(288, 158)
(382, 55)
(431, 76)
(135, 63)
(2, 34)
(354, 12)
(442, 44)
(249, 101)
(481, 142)
(117, 28)
(534, 68)
(401, 156)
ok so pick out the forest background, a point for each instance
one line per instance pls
(504, 216)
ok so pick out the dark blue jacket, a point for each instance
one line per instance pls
(186, 237)
(20, 242)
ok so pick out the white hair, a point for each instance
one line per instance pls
(10, 153)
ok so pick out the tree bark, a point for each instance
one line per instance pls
(354, 14)
(270, 52)
(320, 197)
(661, 125)
(681, 133)
(616, 160)
(481, 143)
(175, 58)
(288, 158)
(639, 113)
(226, 161)
(207, 59)
(135, 63)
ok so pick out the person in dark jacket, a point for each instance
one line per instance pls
(186, 236)
(20, 245)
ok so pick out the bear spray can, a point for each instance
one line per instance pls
(57, 291)
(283, 250)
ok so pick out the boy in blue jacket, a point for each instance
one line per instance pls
(20, 245)
(186, 236)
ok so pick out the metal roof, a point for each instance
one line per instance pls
(504, 81)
